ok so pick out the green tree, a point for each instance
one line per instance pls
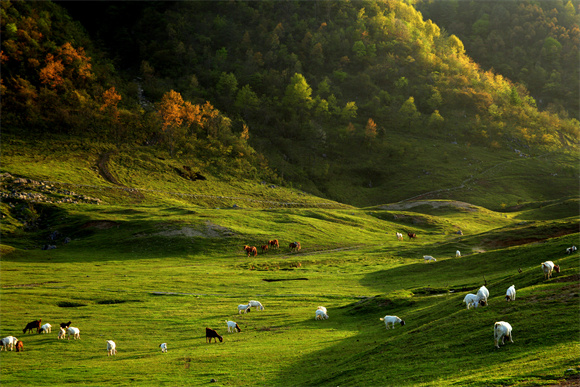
(298, 93)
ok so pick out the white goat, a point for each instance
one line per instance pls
(501, 330)
(244, 308)
(458, 253)
(62, 333)
(233, 326)
(8, 342)
(111, 348)
(320, 315)
(429, 258)
(482, 295)
(571, 249)
(471, 300)
(399, 236)
(163, 347)
(46, 328)
(75, 332)
(322, 308)
(510, 294)
(392, 319)
(257, 304)
(548, 267)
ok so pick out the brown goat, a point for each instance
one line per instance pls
(212, 334)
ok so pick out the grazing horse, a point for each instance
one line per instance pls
(411, 235)
(251, 250)
(294, 246)
(274, 243)
(264, 248)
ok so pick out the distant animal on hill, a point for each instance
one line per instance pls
(399, 236)
(264, 248)
(510, 294)
(212, 334)
(501, 330)
(65, 325)
(458, 253)
(274, 243)
(32, 325)
(74, 332)
(571, 249)
(321, 314)
(19, 346)
(61, 333)
(482, 296)
(111, 348)
(8, 343)
(294, 246)
(411, 235)
(392, 320)
(244, 308)
(548, 267)
(163, 347)
(472, 300)
(251, 250)
(46, 328)
(257, 304)
(429, 258)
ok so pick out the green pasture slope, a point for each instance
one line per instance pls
(161, 262)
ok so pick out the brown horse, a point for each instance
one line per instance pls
(274, 243)
(264, 248)
(294, 246)
(411, 235)
(251, 250)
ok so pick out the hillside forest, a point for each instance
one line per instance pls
(297, 93)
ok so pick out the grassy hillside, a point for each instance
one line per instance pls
(157, 258)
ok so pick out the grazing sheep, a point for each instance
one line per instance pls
(392, 319)
(458, 253)
(471, 300)
(501, 330)
(548, 267)
(75, 332)
(399, 236)
(482, 296)
(320, 315)
(245, 308)
(510, 294)
(8, 342)
(257, 304)
(46, 328)
(19, 346)
(212, 334)
(62, 333)
(322, 308)
(111, 348)
(32, 325)
(429, 258)
(163, 347)
(233, 326)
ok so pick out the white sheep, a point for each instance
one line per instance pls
(62, 333)
(471, 300)
(458, 253)
(244, 308)
(163, 347)
(501, 330)
(399, 236)
(548, 267)
(8, 342)
(322, 308)
(46, 328)
(392, 319)
(111, 348)
(320, 315)
(429, 258)
(75, 332)
(233, 326)
(510, 294)
(257, 304)
(482, 295)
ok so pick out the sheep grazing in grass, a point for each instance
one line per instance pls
(111, 348)
(548, 267)
(62, 333)
(320, 315)
(46, 328)
(429, 258)
(163, 347)
(471, 300)
(74, 332)
(510, 294)
(482, 296)
(244, 308)
(392, 320)
(8, 343)
(233, 326)
(212, 334)
(501, 330)
(257, 304)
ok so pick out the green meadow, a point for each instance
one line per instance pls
(160, 262)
